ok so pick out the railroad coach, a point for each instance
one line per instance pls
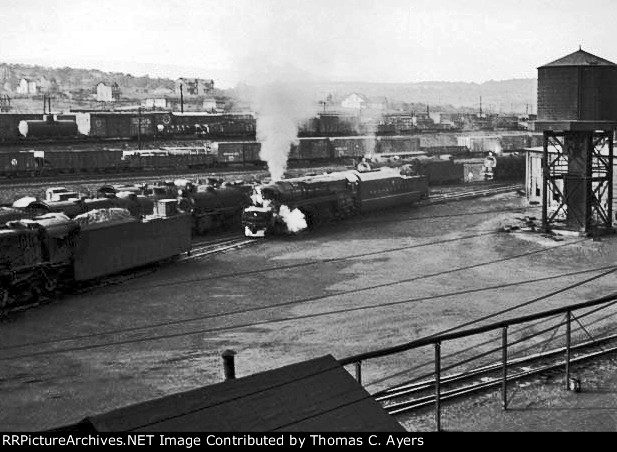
(387, 188)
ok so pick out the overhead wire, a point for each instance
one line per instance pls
(287, 303)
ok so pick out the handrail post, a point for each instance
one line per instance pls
(568, 334)
(229, 366)
(504, 360)
(437, 386)
(359, 372)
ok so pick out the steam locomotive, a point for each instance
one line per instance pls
(281, 207)
(210, 206)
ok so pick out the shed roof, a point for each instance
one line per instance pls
(580, 58)
(314, 395)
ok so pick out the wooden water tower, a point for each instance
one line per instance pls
(577, 112)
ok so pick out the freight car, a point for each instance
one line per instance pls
(47, 252)
(9, 125)
(18, 164)
(48, 128)
(80, 161)
(238, 152)
(294, 204)
(438, 171)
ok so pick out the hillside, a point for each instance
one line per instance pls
(71, 80)
(515, 95)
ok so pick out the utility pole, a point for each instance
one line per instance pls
(139, 128)
(181, 99)
(480, 106)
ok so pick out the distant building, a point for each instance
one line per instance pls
(107, 93)
(158, 103)
(209, 104)
(27, 86)
(422, 120)
(194, 86)
(355, 101)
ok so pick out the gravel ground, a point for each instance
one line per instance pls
(343, 289)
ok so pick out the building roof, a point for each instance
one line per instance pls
(315, 395)
(580, 58)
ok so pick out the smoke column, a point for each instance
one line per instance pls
(279, 108)
(277, 126)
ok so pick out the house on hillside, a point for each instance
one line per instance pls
(194, 86)
(355, 101)
(27, 86)
(209, 104)
(107, 93)
(160, 103)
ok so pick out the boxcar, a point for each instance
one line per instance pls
(398, 145)
(9, 124)
(311, 149)
(17, 163)
(238, 152)
(353, 146)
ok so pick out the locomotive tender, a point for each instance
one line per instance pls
(40, 254)
(329, 196)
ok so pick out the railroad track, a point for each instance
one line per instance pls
(200, 250)
(476, 193)
(417, 395)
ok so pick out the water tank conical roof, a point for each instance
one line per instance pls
(577, 87)
(580, 58)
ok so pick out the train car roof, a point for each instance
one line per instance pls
(327, 177)
(381, 173)
(26, 201)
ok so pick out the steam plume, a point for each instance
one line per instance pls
(294, 219)
(279, 108)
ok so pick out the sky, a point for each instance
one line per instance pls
(255, 41)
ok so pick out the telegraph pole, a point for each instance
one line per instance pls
(181, 99)
(139, 128)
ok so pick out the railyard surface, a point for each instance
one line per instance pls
(346, 288)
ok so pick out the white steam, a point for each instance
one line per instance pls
(279, 109)
(293, 219)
